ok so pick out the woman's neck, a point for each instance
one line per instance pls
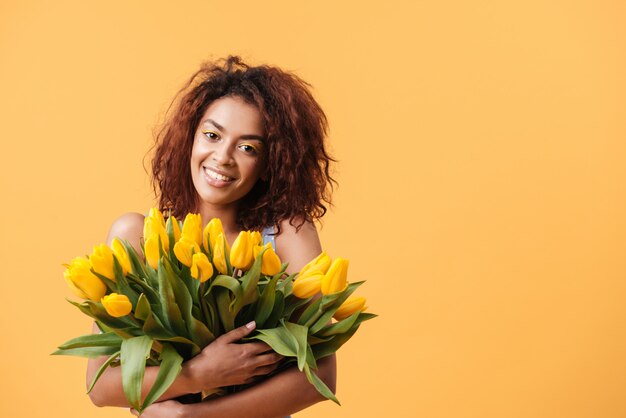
(226, 214)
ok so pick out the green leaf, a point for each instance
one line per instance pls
(310, 311)
(335, 342)
(320, 385)
(310, 358)
(142, 309)
(102, 368)
(171, 365)
(134, 353)
(122, 284)
(330, 308)
(249, 283)
(345, 325)
(281, 340)
(299, 333)
(227, 282)
(197, 331)
(89, 352)
(172, 317)
(223, 302)
(136, 262)
(266, 302)
(146, 288)
(278, 311)
(108, 339)
(312, 339)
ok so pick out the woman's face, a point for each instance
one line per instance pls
(227, 157)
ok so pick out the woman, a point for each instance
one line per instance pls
(244, 144)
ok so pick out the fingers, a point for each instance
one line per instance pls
(134, 412)
(267, 359)
(238, 333)
(262, 371)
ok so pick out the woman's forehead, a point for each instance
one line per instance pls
(233, 115)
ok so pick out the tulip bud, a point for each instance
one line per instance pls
(101, 260)
(352, 305)
(156, 214)
(241, 255)
(192, 228)
(122, 256)
(320, 263)
(117, 305)
(212, 230)
(256, 238)
(176, 228)
(151, 250)
(201, 267)
(335, 279)
(308, 285)
(152, 226)
(184, 250)
(271, 262)
(82, 281)
(220, 250)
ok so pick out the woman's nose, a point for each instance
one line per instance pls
(223, 153)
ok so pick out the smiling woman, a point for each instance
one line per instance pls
(246, 145)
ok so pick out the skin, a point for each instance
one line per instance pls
(229, 139)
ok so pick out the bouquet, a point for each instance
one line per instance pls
(192, 288)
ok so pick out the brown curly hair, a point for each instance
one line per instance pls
(297, 183)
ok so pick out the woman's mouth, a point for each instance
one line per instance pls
(216, 179)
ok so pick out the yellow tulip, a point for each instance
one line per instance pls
(352, 305)
(81, 280)
(201, 267)
(156, 214)
(192, 228)
(220, 250)
(335, 279)
(117, 305)
(101, 260)
(320, 263)
(271, 263)
(241, 255)
(122, 256)
(256, 238)
(176, 228)
(184, 250)
(212, 230)
(308, 285)
(152, 226)
(151, 249)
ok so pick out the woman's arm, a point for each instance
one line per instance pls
(286, 393)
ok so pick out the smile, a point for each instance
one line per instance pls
(216, 178)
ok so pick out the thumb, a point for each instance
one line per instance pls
(239, 333)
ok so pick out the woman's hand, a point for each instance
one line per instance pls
(224, 362)
(165, 409)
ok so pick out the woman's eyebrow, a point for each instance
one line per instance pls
(221, 128)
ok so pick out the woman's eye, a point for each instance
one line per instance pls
(248, 148)
(211, 135)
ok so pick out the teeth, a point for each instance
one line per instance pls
(216, 176)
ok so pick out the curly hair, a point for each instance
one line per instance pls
(298, 183)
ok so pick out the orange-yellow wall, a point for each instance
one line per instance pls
(482, 149)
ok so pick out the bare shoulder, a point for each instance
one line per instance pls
(297, 246)
(128, 227)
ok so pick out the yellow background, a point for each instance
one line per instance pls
(482, 149)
